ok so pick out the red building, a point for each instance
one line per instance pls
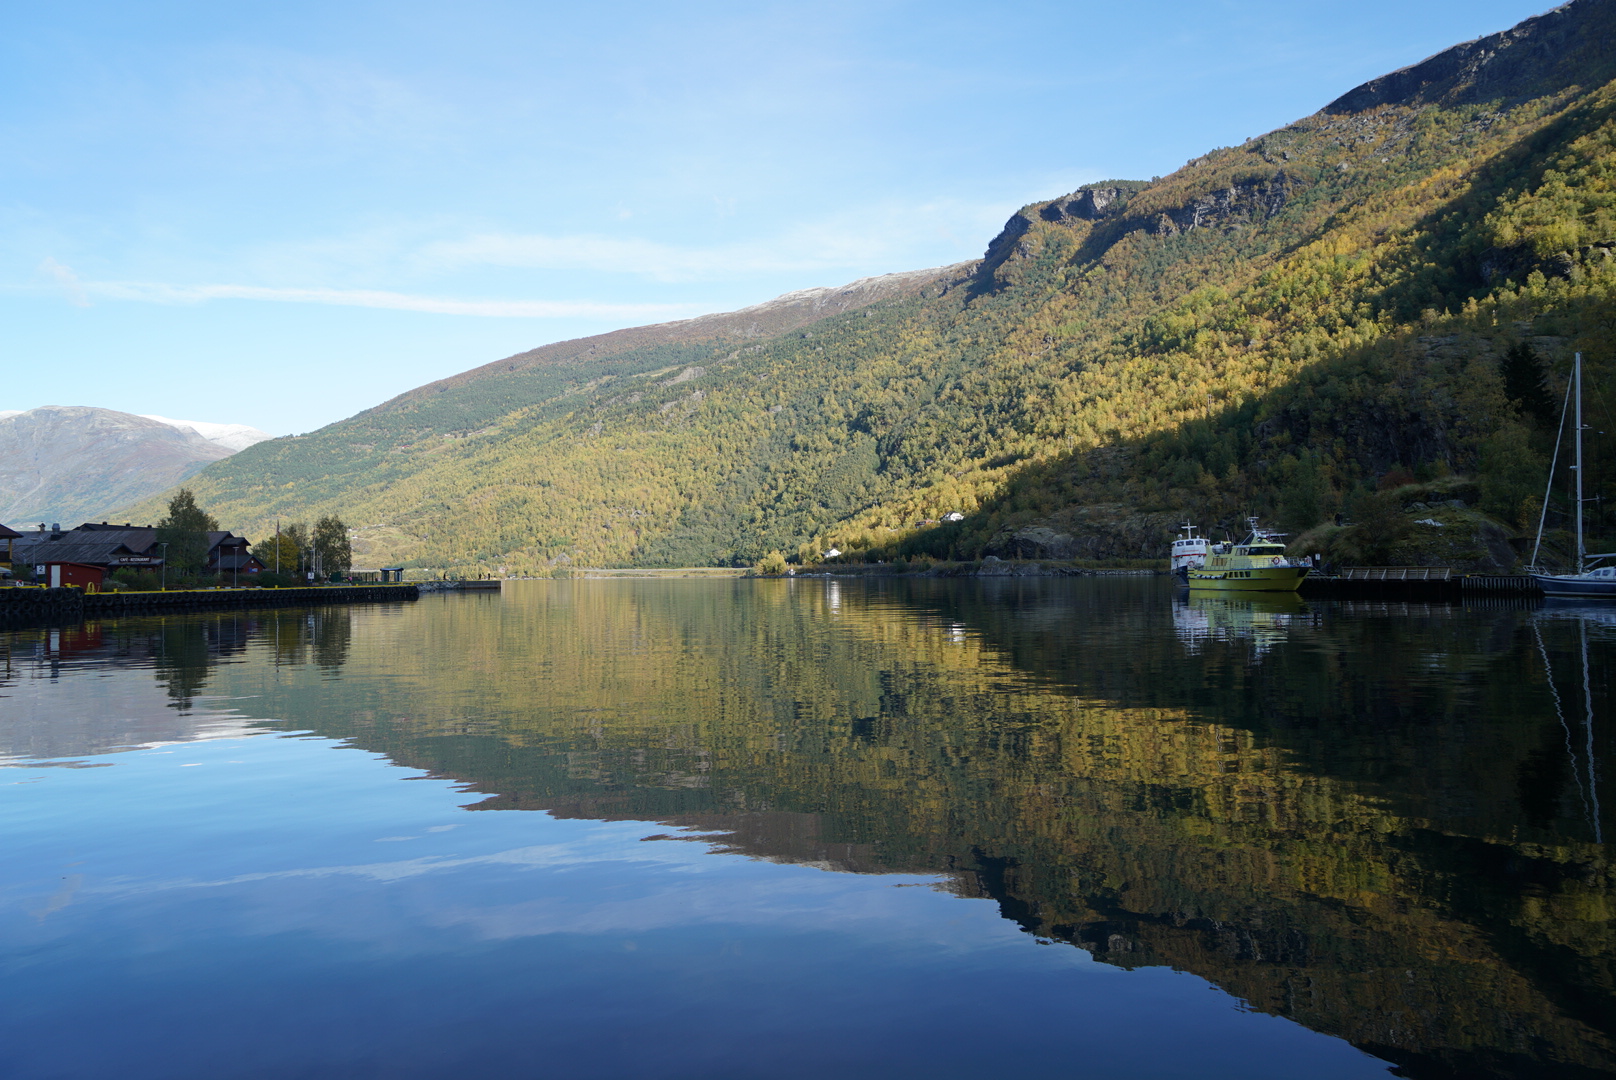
(85, 576)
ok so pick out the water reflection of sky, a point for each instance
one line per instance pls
(282, 906)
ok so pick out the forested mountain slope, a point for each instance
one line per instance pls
(1381, 289)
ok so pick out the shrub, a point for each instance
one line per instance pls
(771, 565)
(136, 580)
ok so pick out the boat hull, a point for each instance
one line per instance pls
(1255, 579)
(1576, 588)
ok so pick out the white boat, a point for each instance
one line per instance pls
(1189, 551)
(1588, 582)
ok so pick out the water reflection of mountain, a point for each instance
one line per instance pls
(1374, 824)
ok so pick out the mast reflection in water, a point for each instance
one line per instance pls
(1378, 830)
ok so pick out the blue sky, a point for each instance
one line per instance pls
(282, 214)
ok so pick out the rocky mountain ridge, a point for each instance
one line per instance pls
(782, 314)
(1565, 46)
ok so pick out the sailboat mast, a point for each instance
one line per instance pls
(1579, 465)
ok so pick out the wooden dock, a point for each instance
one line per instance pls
(1416, 583)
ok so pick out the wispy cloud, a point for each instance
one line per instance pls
(682, 885)
(886, 236)
(68, 281)
(868, 240)
(165, 293)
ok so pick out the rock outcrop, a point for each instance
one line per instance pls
(1088, 204)
(1083, 205)
(1246, 201)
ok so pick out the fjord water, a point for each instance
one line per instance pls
(684, 828)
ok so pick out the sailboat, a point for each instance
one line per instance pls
(1587, 583)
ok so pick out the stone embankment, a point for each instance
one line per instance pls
(460, 585)
(40, 605)
(28, 605)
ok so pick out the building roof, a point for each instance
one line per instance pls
(100, 552)
(8, 534)
(102, 544)
(89, 554)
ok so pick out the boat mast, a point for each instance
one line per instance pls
(1579, 465)
(1554, 463)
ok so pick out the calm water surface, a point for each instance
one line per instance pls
(811, 828)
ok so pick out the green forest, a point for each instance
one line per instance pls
(1366, 317)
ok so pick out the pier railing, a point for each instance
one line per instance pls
(1398, 573)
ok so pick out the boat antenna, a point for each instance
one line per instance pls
(1559, 436)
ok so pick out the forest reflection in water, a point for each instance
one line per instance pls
(1383, 821)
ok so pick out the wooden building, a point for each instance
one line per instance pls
(84, 576)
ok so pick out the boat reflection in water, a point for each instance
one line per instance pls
(1384, 823)
(1264, 619)
(1571, 687)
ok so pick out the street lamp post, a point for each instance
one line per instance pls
(164, 546)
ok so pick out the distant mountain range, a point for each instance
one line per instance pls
(72, 463)
(1281, 328)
